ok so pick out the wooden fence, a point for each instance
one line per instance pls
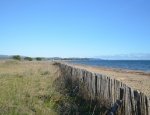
(107, 91)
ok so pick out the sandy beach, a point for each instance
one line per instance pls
(136, 79)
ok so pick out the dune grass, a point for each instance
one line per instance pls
(39, 88)
(26, 88)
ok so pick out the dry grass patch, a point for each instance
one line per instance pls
(27, 88)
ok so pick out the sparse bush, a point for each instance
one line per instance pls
(38, 58)
(16, 57)
(28, 58)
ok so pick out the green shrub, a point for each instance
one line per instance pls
(28, 58)
(38, 58)
(16, 57)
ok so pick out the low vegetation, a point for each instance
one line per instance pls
(16, 57)
(26, 88)
(36, 88)
(38, 58)
(28, 59)
(19, 58)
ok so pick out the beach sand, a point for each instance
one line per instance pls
(135, 79)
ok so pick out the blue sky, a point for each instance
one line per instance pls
(74, 28)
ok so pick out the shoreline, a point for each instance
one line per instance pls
(138, 80)
(139, 72)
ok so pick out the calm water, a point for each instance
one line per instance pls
(142, 65)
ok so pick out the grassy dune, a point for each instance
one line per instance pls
(36, 88)
(26, 88)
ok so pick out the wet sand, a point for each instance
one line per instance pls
(136, 79)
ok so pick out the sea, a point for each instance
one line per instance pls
(139, 65)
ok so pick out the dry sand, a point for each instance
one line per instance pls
(136, 79)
